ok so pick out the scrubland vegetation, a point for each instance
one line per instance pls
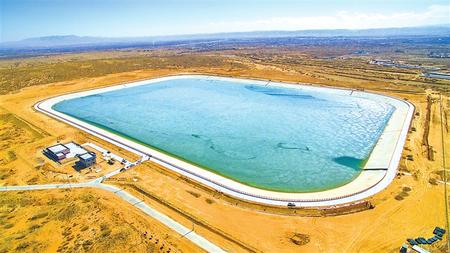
(93, 221)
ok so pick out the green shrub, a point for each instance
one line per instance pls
(38, 216)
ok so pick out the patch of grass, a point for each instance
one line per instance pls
(53, 201)
(87, 197)
(87, 244)
(105, 231)
(34, 227)
(12, 155)
(66, 232)
(38, 216)
(16, 77)
(8, 226)
(33, 180)
(68, 212)
(22, 246)
(21, 236)
(120, 236)
(398, 197)
(22, 124)
(195, 194)
(300, 239)
(433, 181)
(26, 201)
(440, 174)
(5, 174)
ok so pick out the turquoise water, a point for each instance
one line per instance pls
(279, 139)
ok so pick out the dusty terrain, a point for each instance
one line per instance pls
(410, 207)
(79, 221)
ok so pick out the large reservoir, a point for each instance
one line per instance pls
(268, 136)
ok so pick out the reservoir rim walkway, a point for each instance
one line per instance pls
(386, 153)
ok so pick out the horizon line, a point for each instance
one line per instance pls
(443, 25)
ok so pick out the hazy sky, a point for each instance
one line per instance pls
(21, 19)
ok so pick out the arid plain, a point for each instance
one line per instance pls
(90, 220)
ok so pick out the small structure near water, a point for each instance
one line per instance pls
(86, 160)
(57, 152)
(65, 152)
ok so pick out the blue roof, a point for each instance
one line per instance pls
(86, 156)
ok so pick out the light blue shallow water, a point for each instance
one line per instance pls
(272, 138)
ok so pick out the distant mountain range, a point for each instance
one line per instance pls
(82, 41)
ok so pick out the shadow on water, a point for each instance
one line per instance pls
(278, 92)
(284, 145)
(291, 95)
(219, 150)
(350, 162)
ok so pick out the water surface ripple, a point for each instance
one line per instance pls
(272, 138)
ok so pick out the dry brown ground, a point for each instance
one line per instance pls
(82, 220)
(410, 207)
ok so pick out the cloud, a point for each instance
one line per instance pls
(434, 14)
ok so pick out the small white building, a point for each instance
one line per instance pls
(57, 152)
(61, 151)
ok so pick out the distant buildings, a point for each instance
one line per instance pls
(428, 71)
(391, 63)
(439, 75)
(439, 55)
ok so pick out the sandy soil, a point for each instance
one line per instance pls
(80, 220)
(410, 207)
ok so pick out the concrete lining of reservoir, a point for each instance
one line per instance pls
(378, 172)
